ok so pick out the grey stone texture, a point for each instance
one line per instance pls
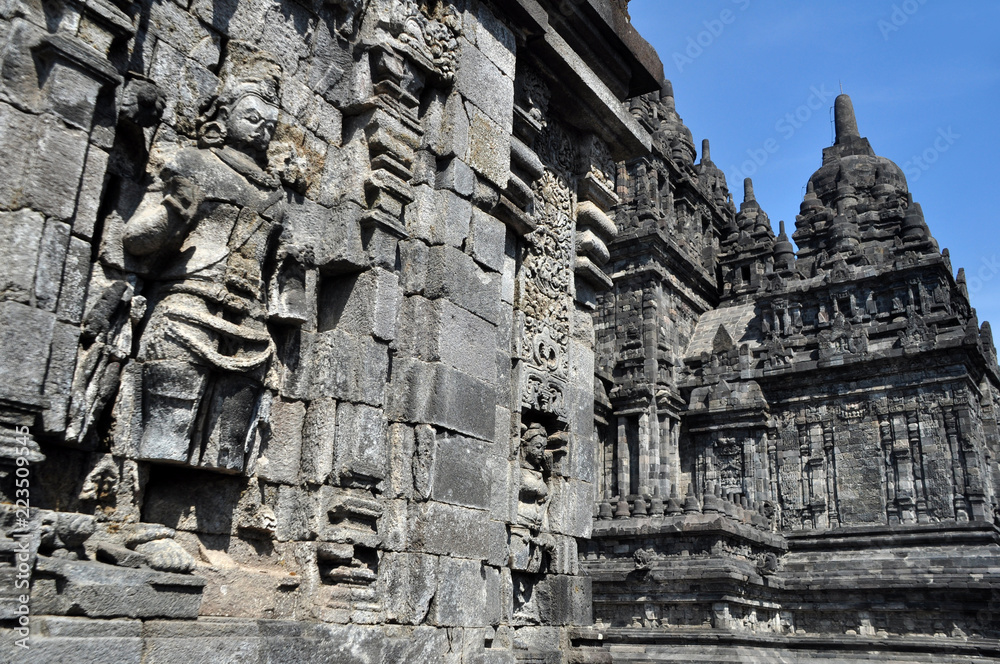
(410, 331)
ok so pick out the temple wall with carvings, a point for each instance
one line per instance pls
(297, 324)
(419, 331)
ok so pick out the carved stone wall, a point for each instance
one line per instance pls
(412, 331)
(297, 340)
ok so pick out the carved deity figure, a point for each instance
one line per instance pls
(871, 309)
(205, 229)
(534, 493)
(530, 546)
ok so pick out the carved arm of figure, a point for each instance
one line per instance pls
(164, 217)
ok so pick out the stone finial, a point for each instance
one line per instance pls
(748, 190)
(674, 504)
(667, 94)
(691, 504)
(604, 512)
(712, 499)
(639, 507)
(784, 253)
(622, 511)
(656, 503)
(844, 119)
(706, 154)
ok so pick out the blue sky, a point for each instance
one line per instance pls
(759, 79)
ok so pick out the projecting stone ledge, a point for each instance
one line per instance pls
(602, 645)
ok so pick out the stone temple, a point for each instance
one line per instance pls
(418, 331)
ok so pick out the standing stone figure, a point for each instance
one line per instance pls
(534, 493)
(206, 228)
(529, 542)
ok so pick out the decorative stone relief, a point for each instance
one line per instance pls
(202, 234)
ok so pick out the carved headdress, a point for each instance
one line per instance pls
(246, 71)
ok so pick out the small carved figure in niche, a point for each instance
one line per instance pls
(797, 319)
(777, 354)
(859, 341)
(870, 307)
(822, 316)
(786, 322)
(530, 546)
(535, 471)
(942, 296)
(205, 229)
(897, 305)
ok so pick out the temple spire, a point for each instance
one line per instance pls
(706, 155)
(845, 121)
(748, 190)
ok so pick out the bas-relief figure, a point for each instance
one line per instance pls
(206, 232)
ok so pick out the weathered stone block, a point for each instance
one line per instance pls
(202, 503)
(75, 279)
(439, 330)
(423, 644)
(184, 83)
(449, 530)
(447, 125)
(484, 85)
(571, 507)
(332, 235)
(413, 256)
(462, 472)
(83, 640)
(98, 590)
(401, 450)
(487, 240)
(25, 339)
(59, 375)
(437, 394)
(21, 236)
(456, 176)
(17, 142)
(71, 94)
(489, 148)
(565, 600)
(349, 367)
(279, 460)
(297, 514)
(393, 525)
(454, 275)
(461, 598)
(183, 31)
(495, 40)
(361, 446)
(318, 439)
(91, 188)
(361, 304)
(439, 216)
(407, 583)
(51, 262)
